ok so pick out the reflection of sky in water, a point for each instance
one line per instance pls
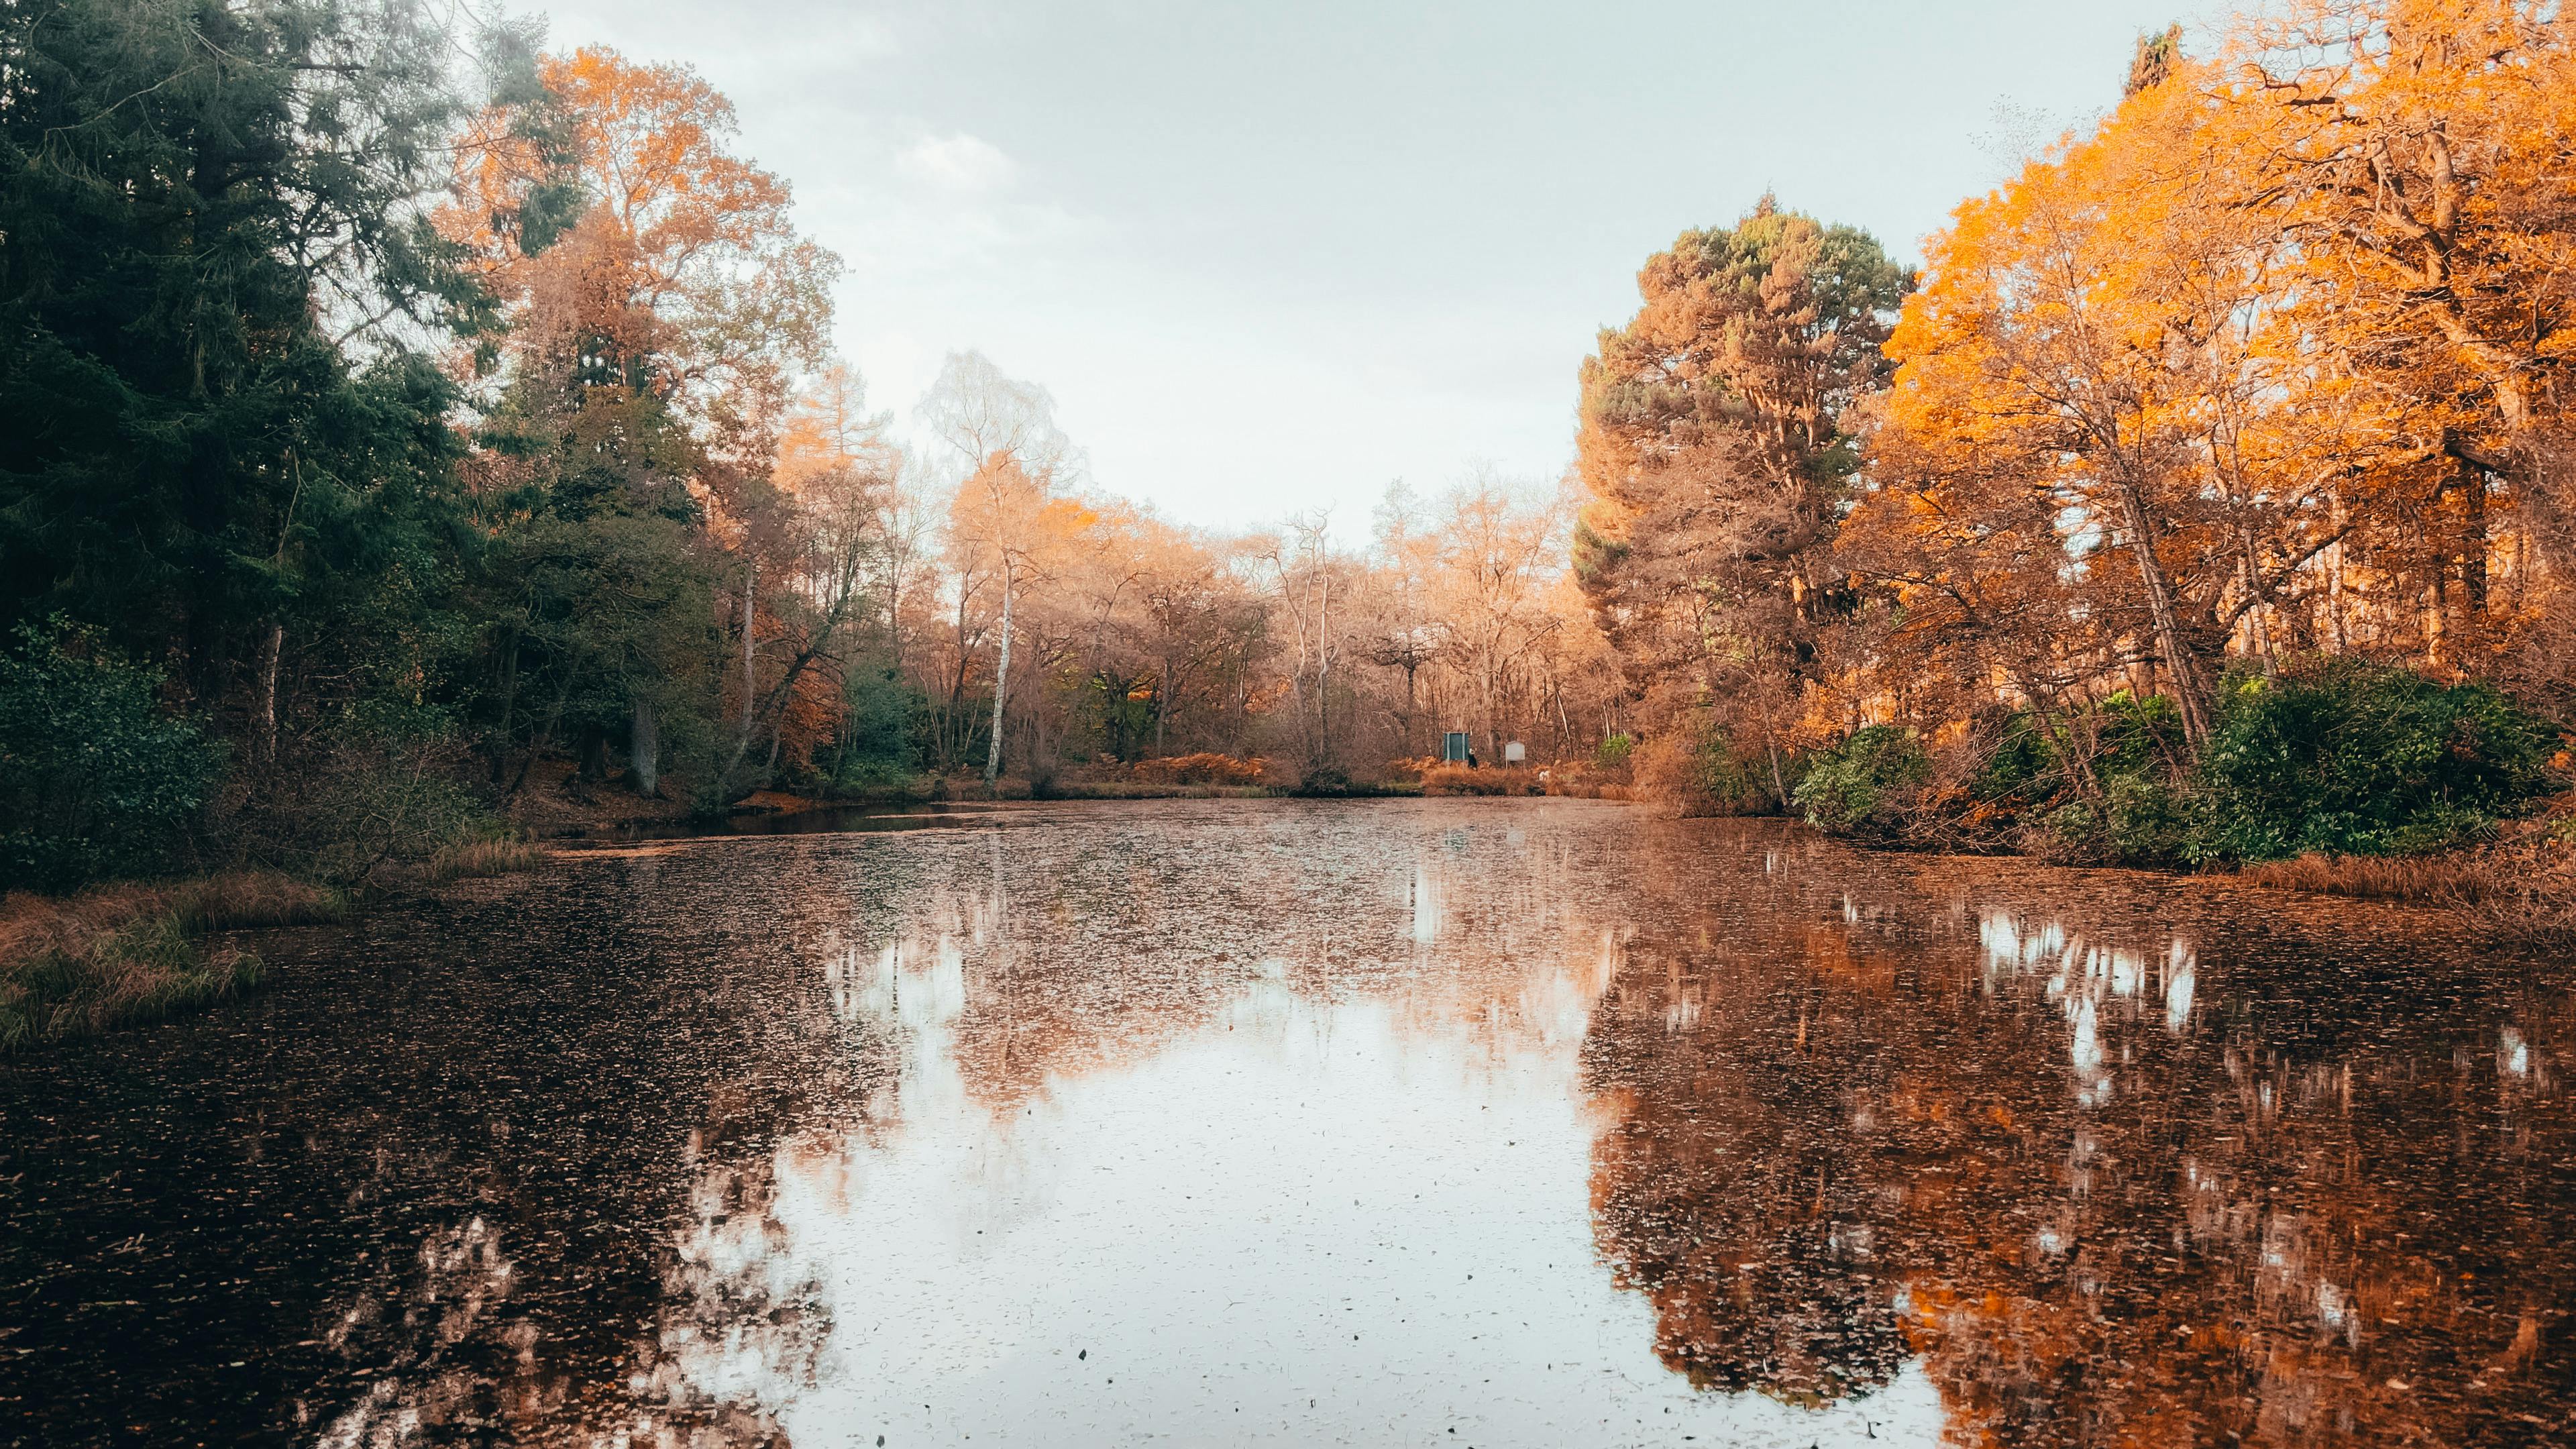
(2084, 976)
(1357, 1195)
(810, 1139)
(1354, 1218)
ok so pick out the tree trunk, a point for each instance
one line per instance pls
(1412, 706)
(1324, 663)
(2473, 542)
(644, 750)
(2335, 571)
(1001, 687)
(263, 729)
(499, 747)
(750, 589)
(2166, 617)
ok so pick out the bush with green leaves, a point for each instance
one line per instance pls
(1704, 768)
(97, 780)
(2034, 759)
(2107, 782)
(2139, 819)
(1859, 787)
(2343, 757)
(2021, 760)
(878, 747)
(385, 786)
(1612, 753)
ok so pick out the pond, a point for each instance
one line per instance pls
(1442, 1122)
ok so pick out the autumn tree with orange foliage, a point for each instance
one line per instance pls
(1716, 450)
(2413, 157)
(2092, 407)
(659, 308)
(2260, 372)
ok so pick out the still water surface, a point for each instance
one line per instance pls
(1476, 1122)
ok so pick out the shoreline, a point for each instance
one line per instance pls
(128, 953)
(113, 956)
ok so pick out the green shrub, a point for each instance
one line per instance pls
(2123, 736)
(2021, 762)
(2106, 786)
(877, 748)
(1612, 753)
(2150, 821)
(1856, 788)
(386, 786)
(2137, 737)
(2343, 757)
(1700, 767)
(96, 779)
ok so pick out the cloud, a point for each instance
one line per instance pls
(960, 163)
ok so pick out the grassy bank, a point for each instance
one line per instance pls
(2433, 880)
(73, 966)
(2522, 884)
(117, 955)
(482, 858)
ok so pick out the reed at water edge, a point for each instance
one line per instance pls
(77, 965)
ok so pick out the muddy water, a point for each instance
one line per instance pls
(1480, 1123)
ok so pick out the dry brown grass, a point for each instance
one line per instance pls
(1201, 769)
(2521, 885)
(1440, 778)
(2460, 879)
(1149, 790)
(240, 899)
(1585, 780)
(2531, 881)
(484, 857)
(76, 965)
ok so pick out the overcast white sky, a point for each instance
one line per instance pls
(1272, 256)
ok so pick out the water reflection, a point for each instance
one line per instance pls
(2157, 1217)
(1538, 1123)
(1323, 1165)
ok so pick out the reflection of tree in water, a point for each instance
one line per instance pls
(429, 1338)
(575, 1175)
(1011, 963)
(740, 1328)
(1722, 1188)
(1020, 957)
(2302, 1184)
(2107, 1190)
(2266, 1218)
(459, 1353)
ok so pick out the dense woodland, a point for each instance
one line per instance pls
(395, 442)
(410, 429)
(2205, 496)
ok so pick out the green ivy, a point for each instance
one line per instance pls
(96, 778)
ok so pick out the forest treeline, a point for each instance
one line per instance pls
(410, 429)
(2204, 497)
